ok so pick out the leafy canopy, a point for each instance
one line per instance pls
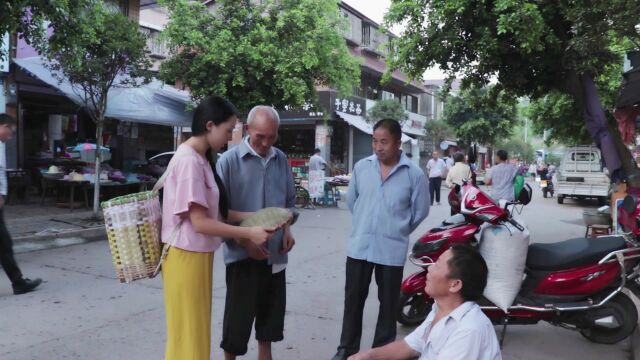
(27, 17)
(387, 109)
(482, 115)
(95, 51)
(438, 130)
(561, 115)
(275, 53)
(531, 47)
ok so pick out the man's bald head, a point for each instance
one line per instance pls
(262, 126)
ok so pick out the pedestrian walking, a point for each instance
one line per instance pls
(459, 172)
(436, 169)
(258, 176)
(317, 162)
(532, 171)
(456, 328)
(388, 198)
(194, 201)
(501, 177)
(20, 284)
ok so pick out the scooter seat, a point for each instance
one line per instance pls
(572, 253)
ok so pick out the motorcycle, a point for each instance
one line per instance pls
(575, 284)
(546, 183)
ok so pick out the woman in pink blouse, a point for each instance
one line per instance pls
(193, 223)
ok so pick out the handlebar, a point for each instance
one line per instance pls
(513, 222)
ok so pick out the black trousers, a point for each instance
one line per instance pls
(7, 260)
(253, 292)
(434, 186)
(358, 278)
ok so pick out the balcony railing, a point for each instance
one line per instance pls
(158, 47)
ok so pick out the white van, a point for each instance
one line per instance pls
(582, 175)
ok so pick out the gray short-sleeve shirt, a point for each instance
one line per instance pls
(502, 176)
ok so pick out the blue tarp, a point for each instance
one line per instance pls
(153, 103)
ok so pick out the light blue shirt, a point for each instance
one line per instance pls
(254, 183)
(385, 212)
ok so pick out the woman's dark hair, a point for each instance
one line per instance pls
(392, 126)
(469, 266)
(213, 108)
(217, 110)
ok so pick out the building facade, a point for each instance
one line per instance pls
(338, 126)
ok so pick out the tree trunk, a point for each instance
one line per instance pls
(96, 187)
(579, 94)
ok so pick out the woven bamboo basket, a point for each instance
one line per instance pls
(133, 225)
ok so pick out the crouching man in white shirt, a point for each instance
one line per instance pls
(456, 328)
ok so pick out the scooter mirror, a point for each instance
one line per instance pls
(629, 204)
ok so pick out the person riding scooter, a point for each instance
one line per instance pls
(546, 180)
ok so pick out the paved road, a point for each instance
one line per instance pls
(81, 312)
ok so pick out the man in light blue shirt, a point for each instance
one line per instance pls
(389, 197)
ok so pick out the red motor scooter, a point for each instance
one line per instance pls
(576, 284)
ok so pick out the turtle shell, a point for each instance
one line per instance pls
(268, 217)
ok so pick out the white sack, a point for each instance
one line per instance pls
(504, 248)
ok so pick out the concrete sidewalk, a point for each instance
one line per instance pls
(37, 227)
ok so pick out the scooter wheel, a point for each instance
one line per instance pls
(413, 309)
(625, 315)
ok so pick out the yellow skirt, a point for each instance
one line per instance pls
(187, 277)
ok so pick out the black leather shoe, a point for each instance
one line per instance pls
(25, 285)
(342, 354)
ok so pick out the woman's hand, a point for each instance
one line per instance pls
(259, 235)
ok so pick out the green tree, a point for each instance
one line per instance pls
(387, 109)
(481, 115)
(275, 53)
(558, 113)
(517, 148)
(27, 17)
(438, 130)
(96, 51)
(532, 48)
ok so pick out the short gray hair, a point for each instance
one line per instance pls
(260, 108)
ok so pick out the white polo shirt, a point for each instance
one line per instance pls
(465, 334)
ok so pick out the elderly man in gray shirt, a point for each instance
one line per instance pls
(256, 175)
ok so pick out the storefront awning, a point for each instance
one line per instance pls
(413, 131)
(361, 124)
(446, 143)
(153, 103)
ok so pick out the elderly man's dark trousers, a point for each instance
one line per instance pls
(434, 188)
(7, 259)
(358, 278)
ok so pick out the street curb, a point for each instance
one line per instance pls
(30, 243)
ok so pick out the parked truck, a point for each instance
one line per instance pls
(581, 175)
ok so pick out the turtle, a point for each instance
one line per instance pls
(268, 217)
